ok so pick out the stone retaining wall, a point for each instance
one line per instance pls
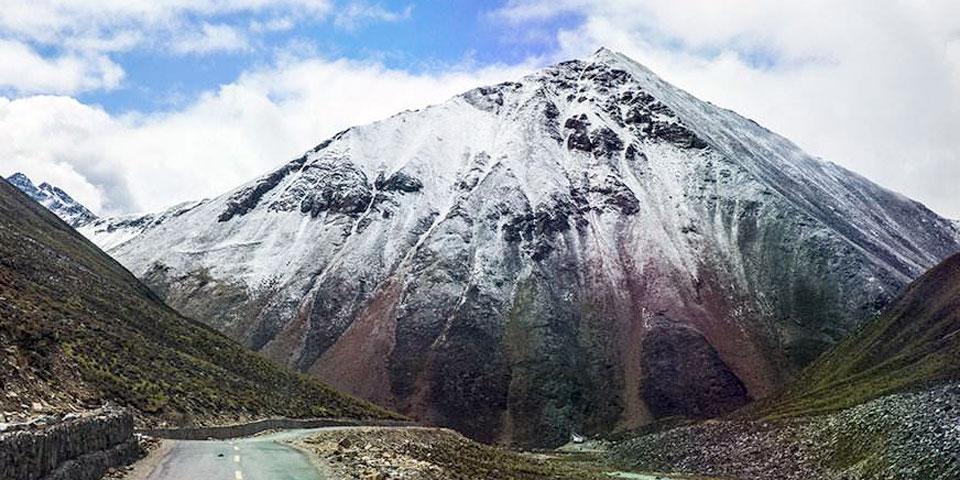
(78, 448)
(253, 428)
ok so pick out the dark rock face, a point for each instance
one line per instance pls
(539, 228)
(579, 138)
(490, 98)
(241, 202)
(398, 182)
(684, 375)
(333, 185)
(607, 142)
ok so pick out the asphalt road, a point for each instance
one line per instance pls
(256, 458)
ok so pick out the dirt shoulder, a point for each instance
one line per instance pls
(156, 451)
(384, 453)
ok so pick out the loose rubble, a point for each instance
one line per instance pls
(907, 436)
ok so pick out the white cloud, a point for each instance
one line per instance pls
(872, 85)
(49, 139)
(227, 137)
(56, 21)
(23, 70)
(278, 24)
(78, 38)
(358, 13)
(211, 38)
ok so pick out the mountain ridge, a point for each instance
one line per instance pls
(509, 262)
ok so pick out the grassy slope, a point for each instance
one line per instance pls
(915, 343)
(77, 328)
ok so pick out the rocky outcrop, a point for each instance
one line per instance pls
(75, 447)
(684, 374)
(247, 199)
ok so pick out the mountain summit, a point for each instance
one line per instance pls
(55, 199)
(586, 248)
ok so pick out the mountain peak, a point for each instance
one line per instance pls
(606, 53)
(613, 58)
(54, 199)
(19, 177)
(603, 51)
(22, 182)
(587, 239)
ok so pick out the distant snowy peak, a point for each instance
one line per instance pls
(55, 200)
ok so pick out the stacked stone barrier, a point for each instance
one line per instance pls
(223, 432)
(77, 447)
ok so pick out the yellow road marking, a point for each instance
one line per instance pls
(238, 475)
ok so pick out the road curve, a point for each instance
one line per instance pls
(252, 458)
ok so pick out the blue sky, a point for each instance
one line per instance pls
(425, 36)
(135, 105)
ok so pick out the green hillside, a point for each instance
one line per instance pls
(78, 329)
(915, 343)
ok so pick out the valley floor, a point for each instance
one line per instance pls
(347, 453)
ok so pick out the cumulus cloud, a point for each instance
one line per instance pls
(358, 13)
(872, 85)
(23, 71)
(56, 21)
(211, 38)
(277, 24)
(117, 164)
(68, 46)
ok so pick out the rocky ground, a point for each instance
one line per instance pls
(908, 436)
(148, 446)
(430, 454)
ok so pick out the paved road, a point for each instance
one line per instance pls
(257, 458)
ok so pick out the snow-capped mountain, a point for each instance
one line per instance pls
(584, 249)
(55, 199)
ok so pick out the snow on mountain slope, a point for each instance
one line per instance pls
(585, 249)
(54, 199)
(109, 233)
